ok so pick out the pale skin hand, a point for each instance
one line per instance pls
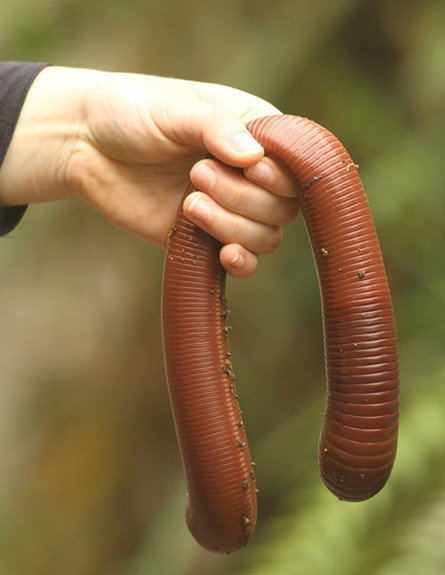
(127, 145)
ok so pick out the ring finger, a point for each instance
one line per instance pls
(229, 227)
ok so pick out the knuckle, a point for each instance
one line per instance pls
(239, 201)
(275, 237)
(290, 212)
(232, 231)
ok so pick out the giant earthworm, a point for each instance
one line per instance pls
(359, 435)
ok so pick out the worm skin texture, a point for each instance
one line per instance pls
(358, 441)
(222, 508)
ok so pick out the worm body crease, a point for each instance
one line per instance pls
(358, 440)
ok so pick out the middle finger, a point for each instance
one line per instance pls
(242, 196)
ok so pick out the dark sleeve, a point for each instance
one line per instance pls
(15, 80)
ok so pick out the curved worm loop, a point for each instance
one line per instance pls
(359, 437)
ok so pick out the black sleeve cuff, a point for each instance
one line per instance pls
(10, 217)
(15, 80)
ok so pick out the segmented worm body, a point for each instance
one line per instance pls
(359, 436)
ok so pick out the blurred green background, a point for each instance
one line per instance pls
(90, 476)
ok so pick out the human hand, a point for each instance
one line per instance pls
(127, 145)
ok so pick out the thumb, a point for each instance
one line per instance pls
(227, 138)
(222, 133)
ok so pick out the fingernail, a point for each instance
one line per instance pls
(260, 173)
(237, 261)
(244, 143)
(203, 176)
(200, 209)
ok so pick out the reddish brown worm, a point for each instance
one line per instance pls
(358, 440)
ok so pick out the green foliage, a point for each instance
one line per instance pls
(403, 525)
(91, 481)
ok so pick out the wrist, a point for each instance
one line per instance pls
(45, 135)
